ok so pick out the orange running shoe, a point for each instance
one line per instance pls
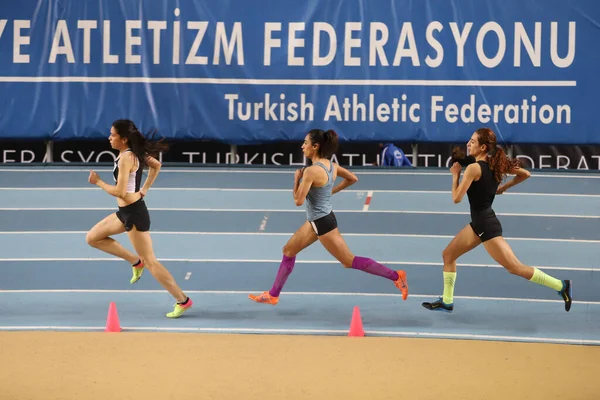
(265, 297)
(402, 284)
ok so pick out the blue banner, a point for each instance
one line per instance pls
(261, 71)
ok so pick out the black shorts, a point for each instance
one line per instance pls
(485, 224)
(135, 214)
(324, 224)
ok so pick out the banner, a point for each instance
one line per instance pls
(558, 157)
(350, 154)
(256, 72)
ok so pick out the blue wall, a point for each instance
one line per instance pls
(527, 69)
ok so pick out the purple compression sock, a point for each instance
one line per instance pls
(285, 269)
(373, 267)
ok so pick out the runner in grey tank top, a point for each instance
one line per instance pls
(315, 185)
(318, 200)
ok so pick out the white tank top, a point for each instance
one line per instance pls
(134, 179)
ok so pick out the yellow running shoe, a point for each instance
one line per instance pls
(137, 271)
(180, 309)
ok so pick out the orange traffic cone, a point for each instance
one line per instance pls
(112, 320)
(356, 325)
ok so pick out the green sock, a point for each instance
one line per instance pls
(541, 278)
(449, 280)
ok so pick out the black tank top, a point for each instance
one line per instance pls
(482, 192)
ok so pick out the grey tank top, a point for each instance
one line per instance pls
(318, 199)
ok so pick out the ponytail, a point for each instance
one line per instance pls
(501, 164)
(327, 140)
(153, 147)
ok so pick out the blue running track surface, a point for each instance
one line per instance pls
(220, 232)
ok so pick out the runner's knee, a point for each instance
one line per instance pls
(448, 255)
(91, 239)
(289, 250)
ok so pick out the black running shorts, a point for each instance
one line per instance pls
(135, 214)
(485, 224)
(324, 224)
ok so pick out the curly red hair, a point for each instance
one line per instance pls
(499, 162)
